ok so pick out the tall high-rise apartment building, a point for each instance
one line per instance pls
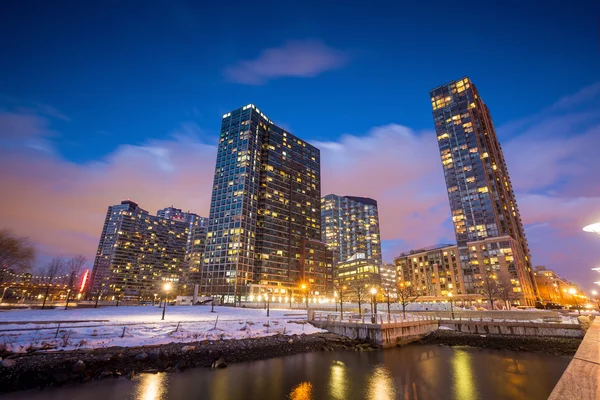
(195, 243)
(176, 214)
(484, 210)
(350, 225)
(138, 253)
(264, 230)
(196, 254)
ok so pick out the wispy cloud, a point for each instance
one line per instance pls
(305, 58)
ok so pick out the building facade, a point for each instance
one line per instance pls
(350, 225)
(389, 280)
(194, 247)
(482, 200)
(358, 273)
(265, 214)
(434, 271)
(196, 254)
(138, 253)
(552, 287)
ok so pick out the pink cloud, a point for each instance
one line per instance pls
(305, 58)
(401, 170)
(62, 205)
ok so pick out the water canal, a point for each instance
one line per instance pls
(413, 372)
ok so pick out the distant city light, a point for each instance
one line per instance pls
(84, 280)
(594, 228)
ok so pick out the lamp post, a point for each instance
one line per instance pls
(373, 305)
(268, 301)
(451, 304)
(166, 288)
(335, 300)
(595, 297)
(572, 292)
(154, 299)
(305, 289)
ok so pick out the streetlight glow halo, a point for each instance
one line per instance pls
(594, 228)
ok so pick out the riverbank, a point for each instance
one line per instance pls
(41, 369)
(540, 344)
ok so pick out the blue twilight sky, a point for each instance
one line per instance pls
(90, 88)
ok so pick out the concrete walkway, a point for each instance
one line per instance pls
(581, 379)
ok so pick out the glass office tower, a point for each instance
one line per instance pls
(264, 227)
(486, 218)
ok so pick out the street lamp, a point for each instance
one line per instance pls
(451, 304)
(342, 290)
(154, 300)
(594, 228)
(305, 289)
(373, 305)
(335, 300)
(595, 294)
(572, 292)
(268, 301)
(166, 287)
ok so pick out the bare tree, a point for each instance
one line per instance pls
(505, 290)
(74, 266)
(360, 291)
(16, 253)
(490, 287)
(341, 290)
(387, 294)
(407, 293)
(50, 272)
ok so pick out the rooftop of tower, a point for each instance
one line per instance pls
(451, 82)
(247, 106)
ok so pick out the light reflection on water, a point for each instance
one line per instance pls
(337, 381)
(411, 373)
(303, 391)
(463, 382)
(381, 385)
(151, 386)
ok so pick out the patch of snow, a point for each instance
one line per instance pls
(445, 328)
(129, 326)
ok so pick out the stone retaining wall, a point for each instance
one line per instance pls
(514, 328)
(386, 335)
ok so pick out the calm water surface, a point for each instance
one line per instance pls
(412, 372)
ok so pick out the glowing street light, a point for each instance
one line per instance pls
(593, 228)
(595, 297)
(166, 287)
(305, 289)
(374, 304)
(451, 304)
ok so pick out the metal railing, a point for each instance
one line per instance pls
(395, 316)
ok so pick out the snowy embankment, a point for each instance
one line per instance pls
(30, 330)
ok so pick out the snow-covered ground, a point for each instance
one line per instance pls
(141, 326)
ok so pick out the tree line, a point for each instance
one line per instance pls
(17, 257)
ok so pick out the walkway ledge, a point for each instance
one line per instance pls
(581, 379)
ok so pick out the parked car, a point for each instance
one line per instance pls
(553, 306)
(539, 305)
